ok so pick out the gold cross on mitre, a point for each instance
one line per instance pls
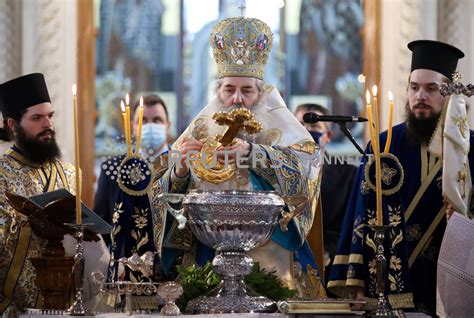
(462, 178)
(236, 120)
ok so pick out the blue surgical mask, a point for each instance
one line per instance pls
(316, 135)
(153, 136)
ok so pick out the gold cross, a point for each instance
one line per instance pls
(462, 178)
(461, 122)
(457, 76)
(236, 120)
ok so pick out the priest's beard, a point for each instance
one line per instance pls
(421, 128)
(36, 150)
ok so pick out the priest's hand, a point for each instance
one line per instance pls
(185, 146)
(449, 209)
(240, 149)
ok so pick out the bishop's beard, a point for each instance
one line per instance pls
(36, 150)
(421, 128)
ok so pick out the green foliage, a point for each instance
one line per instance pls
(268, 284)
(196, 281)
(199, 281)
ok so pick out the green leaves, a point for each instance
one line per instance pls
(196, 281)
(268, 284)
(199, 281)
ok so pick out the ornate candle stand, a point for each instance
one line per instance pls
(383, 306)
(168, 291)
(78, 308)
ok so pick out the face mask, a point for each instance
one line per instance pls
(316, 135)
(153, 136)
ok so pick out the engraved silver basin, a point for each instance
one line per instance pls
(233, 223)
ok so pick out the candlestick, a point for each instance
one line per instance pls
(140, 124)
(76, 151)
(390, 122)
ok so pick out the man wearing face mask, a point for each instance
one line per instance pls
(337, 178)
(154, 137)
(155, 126)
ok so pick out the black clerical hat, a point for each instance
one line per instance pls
(22, 92)
(436, 56)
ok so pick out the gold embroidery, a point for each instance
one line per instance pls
(461, 123)
(387, 173)
(305, 146)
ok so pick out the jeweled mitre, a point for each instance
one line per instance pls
(241, 47)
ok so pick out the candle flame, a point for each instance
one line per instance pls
(141, 101)
(374, 90)
(367, 97)
(390, 96)
(122, 105)
(74, 89)
(127, 99)
(361, 78)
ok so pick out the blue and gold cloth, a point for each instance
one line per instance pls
(416, 214)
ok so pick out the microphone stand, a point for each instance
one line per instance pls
(347, 133)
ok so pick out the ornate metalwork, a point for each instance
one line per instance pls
(233, 223)
(456, 87)
(383, 306)
(143, 264)
(168, 291)
(205, 164)
(78, 308)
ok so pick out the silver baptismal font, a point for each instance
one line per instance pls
(232, 223)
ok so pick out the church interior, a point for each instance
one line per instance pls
(352, 57)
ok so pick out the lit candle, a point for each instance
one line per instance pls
(390, 122)
(378, 177)
(76, 150)
(140, 123)
(371, 120)
(125, 129)
(128, 134)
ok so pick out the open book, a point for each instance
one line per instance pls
(59, 205)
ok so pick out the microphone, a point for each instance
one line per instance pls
(311, 118)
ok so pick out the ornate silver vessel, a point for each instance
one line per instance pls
(233, 223)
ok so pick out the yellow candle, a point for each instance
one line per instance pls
(371, 121)
(376, 116)
(125, 129)
(390, 122)
(140, 124)
(76, 151)
(128, 134)
(378, 177)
